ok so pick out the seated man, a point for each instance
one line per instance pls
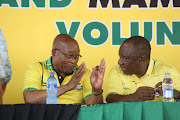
(5, 66)
(75, 83)
(137, 75)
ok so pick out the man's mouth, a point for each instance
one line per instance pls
(70, 67)
(123, 68)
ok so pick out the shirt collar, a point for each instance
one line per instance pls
(48, 64)
(151, 66)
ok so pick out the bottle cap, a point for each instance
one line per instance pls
(167, 73)
(51, 74)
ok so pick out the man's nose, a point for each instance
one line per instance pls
(72, 60)
(120, 62)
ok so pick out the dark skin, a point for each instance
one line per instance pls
(160, 91)
(64, 53)
(131, 62)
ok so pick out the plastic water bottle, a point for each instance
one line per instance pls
(51, 89)
(167, 86)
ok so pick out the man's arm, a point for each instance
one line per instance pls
(142, 94)
(95, 98)
(111, 98)
(96, 83)
(39, 96)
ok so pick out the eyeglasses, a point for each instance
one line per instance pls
(69, 57)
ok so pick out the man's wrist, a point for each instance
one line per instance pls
(62, 89)
(68, 87)
(132, 98)
(97, 93)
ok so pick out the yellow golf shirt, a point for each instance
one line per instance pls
(119, 83)
(37, 75)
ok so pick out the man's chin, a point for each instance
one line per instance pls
(126, 73)
(69, 72)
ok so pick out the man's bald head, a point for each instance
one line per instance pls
(65, 54)
(140, 44)
(64, 41)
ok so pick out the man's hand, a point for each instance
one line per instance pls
(158, 88)
(144, 93)
(160, 91)
(97, 77)
(176, 94)
(76, 77)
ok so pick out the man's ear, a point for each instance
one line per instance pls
(53, 52)
(3, 89)
(142, 59)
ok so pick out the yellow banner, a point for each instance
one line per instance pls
(99, 26)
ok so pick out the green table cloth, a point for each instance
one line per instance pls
(131, 111)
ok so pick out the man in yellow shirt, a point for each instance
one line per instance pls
(138, 77)
(76, 85)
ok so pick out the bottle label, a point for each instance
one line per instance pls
(51, 85)
(168, 94)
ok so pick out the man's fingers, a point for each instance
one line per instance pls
(146, 91)
(103, 69)
(149, 98)
(81, 75)
(147, 95)
(80, 69)
(102, 66)
(158, 85)
(146, 88)
(101, 63)
(159, 90)
(93, 72)
(96, 68)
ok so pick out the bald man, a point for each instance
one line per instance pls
(137, 75)
(76, 84)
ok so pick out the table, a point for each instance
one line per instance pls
(132, 111)
(39, 112)
(111, 111)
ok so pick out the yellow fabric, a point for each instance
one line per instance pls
(119, 83)
(33, 80)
